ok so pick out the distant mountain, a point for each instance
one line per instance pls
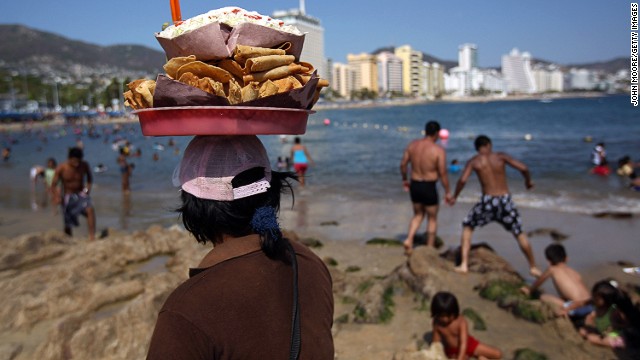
(610, 67)
(26, 47)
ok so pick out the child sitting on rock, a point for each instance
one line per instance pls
(613, 314)
(452, 330)
(574, 295)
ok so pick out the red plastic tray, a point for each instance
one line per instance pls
(222, 120)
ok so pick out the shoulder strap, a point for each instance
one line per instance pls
(294, 352)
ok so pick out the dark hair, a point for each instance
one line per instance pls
(52, 160)
(555, 253)
(208, 220)
(611, 295)
(296, 140)
(432, 128)
(76, 152)
(481, 141)
(444, 303)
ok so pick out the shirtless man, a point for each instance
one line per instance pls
(574, 294)
(495, 203)
(428, 165)
(76, 199)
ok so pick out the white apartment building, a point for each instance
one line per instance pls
(516, 70)
(389, 73)
(548, 78)
(342, 80)
(467, 56)
(365, 71)
(432, 81)
(313, 49)
(582, 79)
(411, 64)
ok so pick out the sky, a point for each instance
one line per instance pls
(560, 31)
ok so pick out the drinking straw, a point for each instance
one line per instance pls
(175, 11)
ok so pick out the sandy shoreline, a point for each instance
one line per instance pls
(342, 228)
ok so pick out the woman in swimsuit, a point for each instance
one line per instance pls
(301, 159)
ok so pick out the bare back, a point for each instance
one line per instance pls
(490, 168)
(427, 160)
(568, 283)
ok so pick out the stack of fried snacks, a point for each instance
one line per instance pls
(252, 73)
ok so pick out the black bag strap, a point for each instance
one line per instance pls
(295, 327)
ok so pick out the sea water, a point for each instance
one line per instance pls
(357, 155)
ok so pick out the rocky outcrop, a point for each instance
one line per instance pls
(77, 300)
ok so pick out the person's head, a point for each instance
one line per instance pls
(52, 163)
(432, 128)
(624, 160)
(229, 190)
(600, 144)
(444, 308)
(482, 141)
(454, 162)
(604, 293)
(555, 253)
(75, 156)
(296, 140)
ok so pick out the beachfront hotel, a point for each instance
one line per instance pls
(389, 73)
(365, 71)
(411, 63)
(342, 79)
(516, 70)
(313, 50)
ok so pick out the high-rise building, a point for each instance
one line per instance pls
(516, 69)
(342, 79)
(389, 73)
(365, 70)
(313, 50)
(411, 70)
(467, 57)
(548, 78)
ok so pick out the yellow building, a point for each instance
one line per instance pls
(412, 70)
(365, 71)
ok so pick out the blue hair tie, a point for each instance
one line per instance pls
(264, 220)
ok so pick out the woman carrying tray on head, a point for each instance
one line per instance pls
(238, 302)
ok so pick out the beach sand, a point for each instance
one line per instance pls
(594, 246)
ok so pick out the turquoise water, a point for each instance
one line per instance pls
(358, 155)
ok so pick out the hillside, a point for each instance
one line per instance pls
(26, 47)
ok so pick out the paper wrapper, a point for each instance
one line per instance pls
(172, 93)
(217, 41)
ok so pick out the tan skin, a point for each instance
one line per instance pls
(453, 332)
(72, 174)
(568, 284)
(296, 147)
(428, 163)
(490, 167)
(589, 333)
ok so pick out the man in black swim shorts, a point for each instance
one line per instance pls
(495, 203)
(428, 165)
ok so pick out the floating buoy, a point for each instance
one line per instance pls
(444, 134)
(326, 122)
(528, 137)
(588, 139)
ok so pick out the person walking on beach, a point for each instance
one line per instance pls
(428, 165)
(75, 197)
(125, 171)
(495, 203)
(255, 295)
(301, 159)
